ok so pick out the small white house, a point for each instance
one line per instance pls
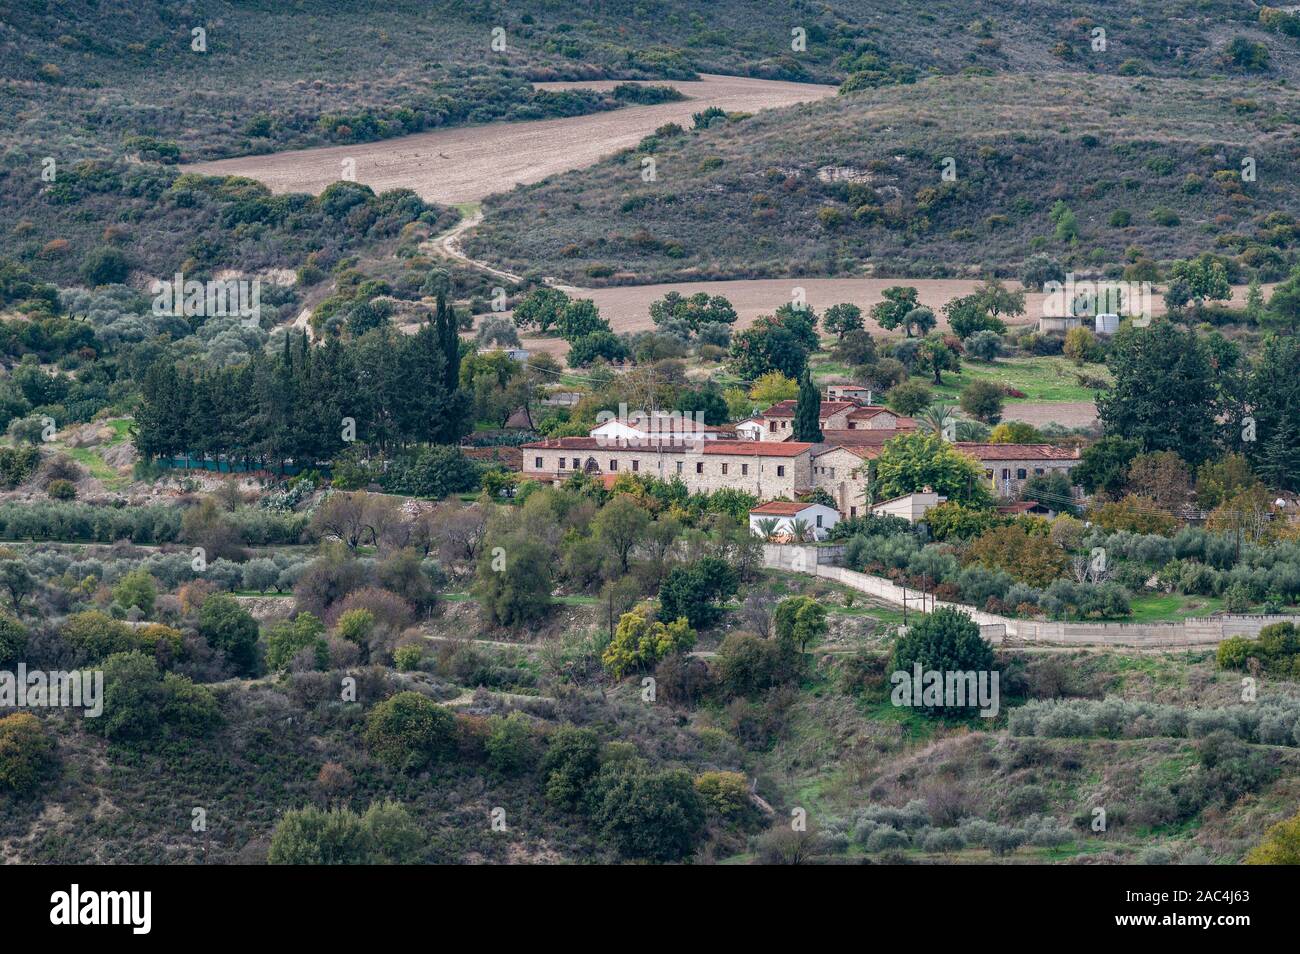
(515, 354)
(644, 429)
(858, 393)
(750, 429)
(911, 507)
(817, 518)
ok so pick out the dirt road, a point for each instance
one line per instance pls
(467, 163)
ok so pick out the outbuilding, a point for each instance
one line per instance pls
(790, 517)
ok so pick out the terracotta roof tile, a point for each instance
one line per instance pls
(747, 448)
(863, 435)
(786, 408)
(757, 448)
(781, 508)
(1016, 451)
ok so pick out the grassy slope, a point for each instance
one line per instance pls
(843, 753)
(838, 749)
(747, 199)
(1042, 379)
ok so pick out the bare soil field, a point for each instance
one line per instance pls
(465, 164)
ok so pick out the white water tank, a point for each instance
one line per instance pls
(1107, 324)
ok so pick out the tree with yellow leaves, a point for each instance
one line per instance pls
(1281, 845)
(640, 641)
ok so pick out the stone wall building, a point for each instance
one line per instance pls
(1008, 466)
(775, 469)
(766, 469)
(777, 422)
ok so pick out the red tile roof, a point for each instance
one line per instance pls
(866, 451)
(862, 436)
(866, 413)
(781, 508)
(757, 448)
(566, 443)
(748, 448)
(1016, 451)
(786, 408)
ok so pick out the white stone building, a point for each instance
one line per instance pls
(816, 519)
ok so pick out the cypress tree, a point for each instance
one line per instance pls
(807, 412)
(456, 423)
(1279, 464)
(450, 343)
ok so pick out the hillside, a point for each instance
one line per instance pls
(1149, 168)
(88, 73)
(830, 744)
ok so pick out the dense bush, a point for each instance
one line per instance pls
(142, 705)
(386, 834)
(1277, 649)
(408, 731)
(1268, 722)
(26, 752)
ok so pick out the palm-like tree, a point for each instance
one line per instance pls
(934, 417)
(801, 530)
(767, 528)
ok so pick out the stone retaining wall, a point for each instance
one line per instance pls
(1206, 631)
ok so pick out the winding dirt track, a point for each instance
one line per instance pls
(464, 164)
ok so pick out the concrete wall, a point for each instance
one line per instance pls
(1202, 632)
(911, 508)
(799, 558)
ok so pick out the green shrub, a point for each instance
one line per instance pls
(385, 834)
(61, 489)
(409, 732)
(25, 752)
